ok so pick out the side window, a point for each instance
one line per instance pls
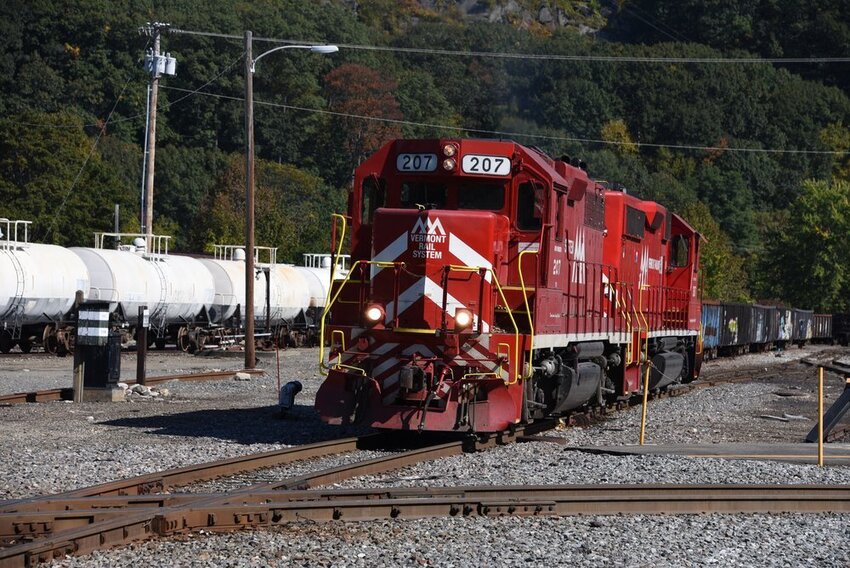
(679, 251)
(373, 196)
(530, 207)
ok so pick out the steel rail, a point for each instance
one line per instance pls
(76, 532)
(67, 393)
(218, 513)
(162, 480)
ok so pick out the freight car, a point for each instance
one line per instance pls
(190, 301)
(491, 285)
(736, 328)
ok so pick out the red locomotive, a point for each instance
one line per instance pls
(492, 285)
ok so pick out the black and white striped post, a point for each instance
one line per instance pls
(92, 337)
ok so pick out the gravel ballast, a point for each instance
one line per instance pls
(60, 446)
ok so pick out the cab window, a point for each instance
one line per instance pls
(679, 251)
(530, 207)
(484, 196)
(373, 196)
(426, 195)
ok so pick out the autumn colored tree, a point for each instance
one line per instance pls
(367, 108)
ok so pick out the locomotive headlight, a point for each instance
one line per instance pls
(463, 319)
(449, 164)
(375, 313)
(449, 150)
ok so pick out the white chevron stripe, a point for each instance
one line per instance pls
(467, 255)
(406, 299)
(434, 292)
(389, 254)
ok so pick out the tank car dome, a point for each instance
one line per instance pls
(239, 254)
(326, 262)
(140, 243)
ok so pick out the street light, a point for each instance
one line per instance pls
(250, 65)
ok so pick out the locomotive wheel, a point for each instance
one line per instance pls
(6, 342)
(25, 345)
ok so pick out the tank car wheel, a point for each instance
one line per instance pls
(25, 345)
(160, 343)
(51, 344)
(63, 346)
(6, 342)
(184, 342)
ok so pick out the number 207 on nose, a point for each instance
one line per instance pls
(490, 165)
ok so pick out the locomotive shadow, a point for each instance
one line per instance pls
(259, 425)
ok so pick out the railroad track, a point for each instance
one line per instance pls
(128, 510)
(51, 395)
(97, 524)
(124, 511)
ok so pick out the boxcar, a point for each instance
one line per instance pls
(803, 320)
(735, 327)
(822, 328)
(711, 329)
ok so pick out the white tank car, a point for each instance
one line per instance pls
(174, 288)
(229, 284)
(318, 282)
(122, 278)
(289, 292)
(187, 288)
(38, 283)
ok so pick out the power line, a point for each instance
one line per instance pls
(135, 116)
(544, 57)
(505, 134)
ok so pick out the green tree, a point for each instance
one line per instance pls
(722, 271)
(53, 176)
(812, 256)
(292, 210)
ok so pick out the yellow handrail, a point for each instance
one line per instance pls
(465, 268)
(645, 324)
(331, 301)
(628, 320)
(527, 308)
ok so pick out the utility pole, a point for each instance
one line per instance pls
(156, 65)
(250, 355)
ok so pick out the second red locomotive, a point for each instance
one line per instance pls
(492, 285)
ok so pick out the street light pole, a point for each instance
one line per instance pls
(250, 65)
